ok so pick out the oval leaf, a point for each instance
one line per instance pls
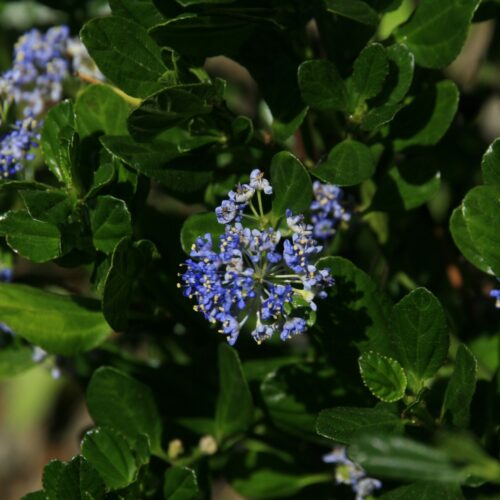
(383, 376)
(348, 163)
(291, 183)
(60, 324)
(322, 87)
(419, 334)
(125, 53)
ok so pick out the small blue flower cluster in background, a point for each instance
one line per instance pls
(350, 473)
(254, 273)
(328, 210)
(16, 146)
(41, 63)
(495, 294)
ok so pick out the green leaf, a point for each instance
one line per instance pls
(283, 130)
(464, 242)
(437, 30)
(60, 324)
(345, 424)
(383, 376)
(490, 164)
(291, 183)
(15, 358)
(110, 222)
(401, 458)
(402, 66)
(180, 484)
(120, 402)
(410, 184)
(204, 36)
(267, 483)
(171, 107)
(377, 117)
(234, 410)
(100, 109)
(355, 307)
(322, 87)
(348, 164)
(294, 394)
(461, 388)
(72, 480)
(198, 225)
(370, 71)
(128, 262)
(419, 334)
(427, 118)
(53, 206)
(126, 54)
(33, 239)
(425, 490)
(481, 211)
(140, 11)
(103, 177)
(353, 9)
(111, 456)
(60, 117)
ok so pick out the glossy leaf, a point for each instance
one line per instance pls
(345, 424)
(291, 183)
(120, 402)
(370, 71)
(402, 458)
(111, 456)
(464, 242)
(355, 307)
(140, 11)
(419, 334)
(33, 239)
(128, 262)
(180, 484)
(427, 118)
(481, 209)
(461, 388)
(348, 164)
(437, 30)
(60, 117)
(60, 324)
(322, 87)
(126, 54)
(356, 10)
(100, 109)
(110, 222)
(234, 410)
(490, 164)
(383, 376)
(402, 65)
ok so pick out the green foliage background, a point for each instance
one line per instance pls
(402, 362)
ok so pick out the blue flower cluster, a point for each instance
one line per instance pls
(350, 473)
(39, 66)
(328, 210)
(16, 146)
(41, 63)
(254, 273)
